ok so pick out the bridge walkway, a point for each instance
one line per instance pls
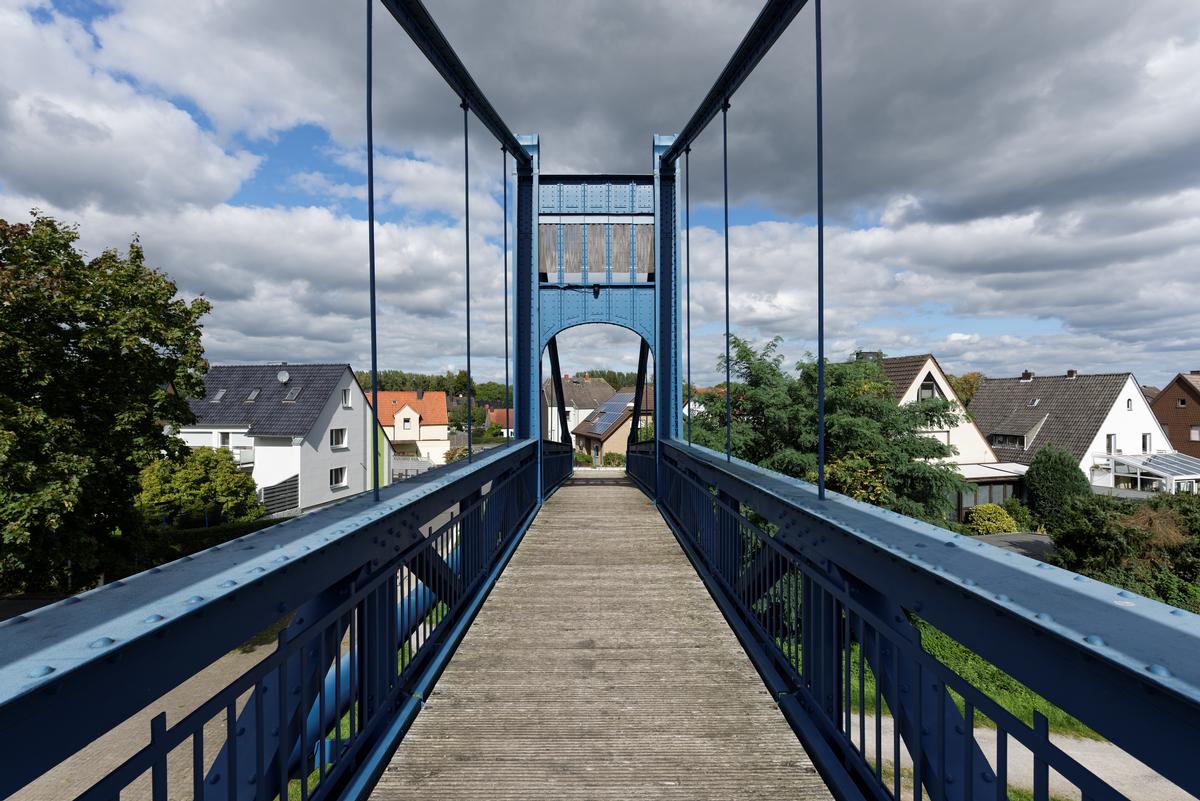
(599, 668)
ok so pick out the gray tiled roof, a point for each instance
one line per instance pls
(902, 371)
(1073, 409)
(582, 393)
(269, 414)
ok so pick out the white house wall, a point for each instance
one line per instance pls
(575, 416)
(317, 457)
(275, 458)
(1128, 425)
(966, 438)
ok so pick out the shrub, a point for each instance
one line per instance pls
(613, 460)
(1053, 479)
(1020, 514)
(583, 459)
(990, 518)
(1091, 536)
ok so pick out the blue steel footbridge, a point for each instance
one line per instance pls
(469, 633)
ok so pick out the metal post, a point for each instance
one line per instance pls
(820, 270)
(371, 265)
(687, 214)
(728, 383)
(564, 435)
(508, 422)
(467, 246)
(639, 392)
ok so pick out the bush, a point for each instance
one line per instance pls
(990, 518)
(1053, 479)
(1091, 536)
(1020, 514)
(613, 460)
(583, 459)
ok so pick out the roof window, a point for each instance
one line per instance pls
(217, 398)
(1034, 402)
(292, 394)
(253, 396)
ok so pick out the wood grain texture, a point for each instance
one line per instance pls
(600, 668)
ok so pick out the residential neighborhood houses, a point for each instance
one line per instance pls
(303, 431)
(417, 423)
(582, 395)
(606, 430)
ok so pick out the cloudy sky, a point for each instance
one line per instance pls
(1006, 188)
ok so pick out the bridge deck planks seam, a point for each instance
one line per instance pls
(599, 668)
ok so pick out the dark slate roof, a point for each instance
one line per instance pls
(902, 371)
(582, 393)
(1069, 410)
(268, 415)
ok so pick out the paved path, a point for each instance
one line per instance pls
(600, 668)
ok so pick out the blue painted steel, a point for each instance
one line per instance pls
(857, 573)
(527, 301)
(820, 262)
(508, 399)
(144, 635)
(370, 246)
(595, 194)
(558, 464)
(466, 110)
(725, 234)
(626, 306)
(687, 207)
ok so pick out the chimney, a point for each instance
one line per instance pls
(1027, 375)
(1072, 373)
(420, 394)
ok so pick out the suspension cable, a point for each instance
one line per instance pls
(507, 398)
(467, 251)
(820, 269)
(371, 265)
(687, 216)
(728, 383)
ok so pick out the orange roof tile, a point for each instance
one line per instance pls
(431, 407)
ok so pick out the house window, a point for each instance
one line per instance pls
(1110, 443)
(1145, 443)
(220, 394)
(253, 396)
(1034, 402)
(224, 439)
(292, 394)
(929, 389)
(337, 478)
(1195, 434)
(337, 438)
(407, 423)
(1129, 404)
(1008, 441)
(346, 398)
(1181, 402)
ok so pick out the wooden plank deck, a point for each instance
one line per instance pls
(600, 668)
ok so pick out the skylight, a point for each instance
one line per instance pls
(1034, 402)
(293, 393)
(253, 396)
(217, 398)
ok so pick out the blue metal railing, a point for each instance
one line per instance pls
(640, 465)
(558, 462)
(362, 646)
(825, 595)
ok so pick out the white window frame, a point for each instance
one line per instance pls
(1194, 434)
(338, 443)
(224, 437)
(336, 473)
(1129, 404)
(347, 398)
(407, 423)
(1147, 442)
(1110, 443)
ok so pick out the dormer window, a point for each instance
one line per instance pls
(217, 398)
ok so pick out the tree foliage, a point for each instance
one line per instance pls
(990, 518)
(98, 357)
(876, 450)
(966, 385)
(454, 384)
(1052, 480)
(205, 484)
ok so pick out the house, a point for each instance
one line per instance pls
(502, 418)
(1102, 420)
(303, 431)
(918, 377)
(417, 423)
(606, 430)
(582, 395)
(1177, 408)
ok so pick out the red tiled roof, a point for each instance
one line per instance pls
(431, 407)
(500, 417)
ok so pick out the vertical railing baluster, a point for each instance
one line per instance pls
(878, 674)
(968, 755)
(843, 615)
(158, 773)
(938, 793)
(283, 749)
(862, 692)
(918, 727)
(1001, 764)
(198, 764)
(897, 718)
(322, 731)
(303, 721)
(231, 740)
(259, 740)
(1041, 769)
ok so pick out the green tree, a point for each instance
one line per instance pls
(876, 449)
(1052, 480)
(966, 385)
(179, 493)
(458, 416)
(97, 357)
